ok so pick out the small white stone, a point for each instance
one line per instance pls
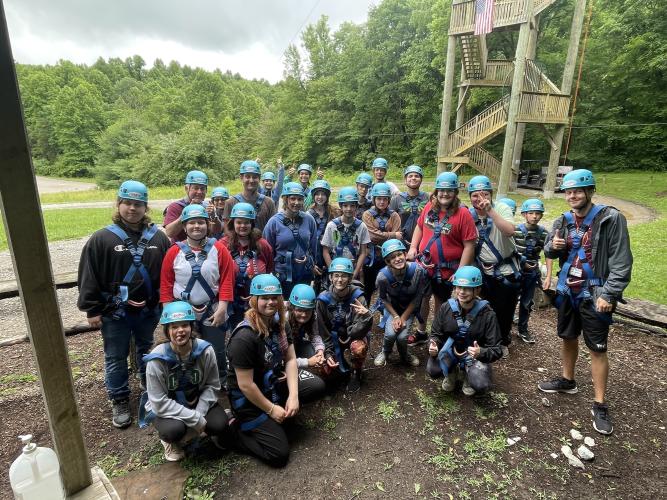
(589, 441)
(576, 434)
(542, 370)
(574, 461)
(513, 440)
(554, 455)
(546, 402)
(584, 453)
(524, 429)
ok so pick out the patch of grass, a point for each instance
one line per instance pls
(388, 410)
(8, 391)
(205, 472)
(446, 458)
(18, 378)
(332, 416)
(500, 399)
(435, 407)
(629, 446)
(109, 464)
(482, 448)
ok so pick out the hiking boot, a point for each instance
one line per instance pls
(467, 388)
(601, 418)
(560, 384)
(449, 382)
(354, 383)
(527, 337)
(121, 413)
(381, 359)
(411, 360)
(418, 339)
(506, 352)
(172, 452)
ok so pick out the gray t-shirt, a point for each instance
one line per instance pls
(504, 244)
(332, 237)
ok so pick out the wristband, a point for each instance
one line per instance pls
(271, 410)
(396, 316)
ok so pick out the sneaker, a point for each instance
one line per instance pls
(560, 384)
(172, 452)
(601, 418)
(411, 360)
(354, 384)
(418, 339)
(381, 359)
(467, 388)
(449, 382)
(527, 337)
(121, 413)
(506, 352)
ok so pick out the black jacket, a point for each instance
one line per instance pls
(104, 263)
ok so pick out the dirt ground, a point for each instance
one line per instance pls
(400, 436)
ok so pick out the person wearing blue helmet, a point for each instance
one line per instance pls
(410, 203)
(510, 203)
(383, 224)
(363, 184)
(249, 173)
(266, 386)
(530, 237)
(292, 234)
(496, 255)
(593, 247)
(215, 210)
(272, 186)
(196, 183)
(304, 173)
(380, 167)
(465, 338)
(119, 283)
(323, 212)
(251, 253)
(400, 285)
(182, 385)
(302, 321)
(344, 322)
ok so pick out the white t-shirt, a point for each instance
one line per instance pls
(504, 244)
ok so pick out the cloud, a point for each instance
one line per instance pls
(248, 37)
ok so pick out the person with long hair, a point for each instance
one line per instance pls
(252, 256)
(119, 283)
(322, 211)
(182, 385)
(302, 322)
(443, 239)
(265, 384)
(200, 271)
(215, 210)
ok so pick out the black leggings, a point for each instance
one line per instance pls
(502, 297)
(172, 430)
(268, 441)
(370, 275)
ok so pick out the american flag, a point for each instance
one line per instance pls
(483, 16)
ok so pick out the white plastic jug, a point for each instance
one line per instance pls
(35, 474)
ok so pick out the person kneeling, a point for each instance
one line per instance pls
(465, 337)
(183, 385)
(265, 386)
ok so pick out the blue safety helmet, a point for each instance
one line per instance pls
(243, 211)
(364, 179)
(479, 183)
(196, 177)
(250, 167)
(447, 180)
(268, 176)
(265, 284)
(380, 163)
(133, 190)
(380, 189)
(391, 246)
(467, 276)
(532, 205)
(320, 184)
(578, 179)
(341, 265)
(175, 312)
(193, 211)
(348, 194)
(292, 189)
(303, 296)
(306, 167)
(510, 203)
(413, 169)
(220, 192)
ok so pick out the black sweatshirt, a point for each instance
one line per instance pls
(104, 263)
(484, 329)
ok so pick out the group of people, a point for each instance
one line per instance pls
(274, 305)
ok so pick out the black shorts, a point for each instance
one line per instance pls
(595, 325)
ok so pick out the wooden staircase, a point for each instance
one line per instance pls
(473, 53)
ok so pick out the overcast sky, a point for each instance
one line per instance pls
(248, 37)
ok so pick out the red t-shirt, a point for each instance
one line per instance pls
(261, 264)
(462, 229)
(172, 213)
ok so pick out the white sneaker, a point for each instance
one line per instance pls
(506, 352)
(449, 382)
(467, 389)
(380, 359)
(172, 452)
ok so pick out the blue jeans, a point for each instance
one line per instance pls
(400, 339)
(116, 334)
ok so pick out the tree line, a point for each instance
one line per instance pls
(348, 96)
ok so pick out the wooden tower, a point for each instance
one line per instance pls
(531, 98)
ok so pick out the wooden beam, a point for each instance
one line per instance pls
(443, 140)
(10, 288)
(28, 247)
(453, 159)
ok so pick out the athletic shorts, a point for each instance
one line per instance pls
(594, 325)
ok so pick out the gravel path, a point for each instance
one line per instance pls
(49, 185)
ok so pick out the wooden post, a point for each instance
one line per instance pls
(566, 88)
(28, 247)
(463, 99)
(443, 141)
(515, 100)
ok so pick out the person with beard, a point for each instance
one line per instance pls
(264, 206)
(196, 183)
(200, 271)
(465, 338)
(119, 283)
(593, 247)
(400, 286)
(496, 254)
(443, 239)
